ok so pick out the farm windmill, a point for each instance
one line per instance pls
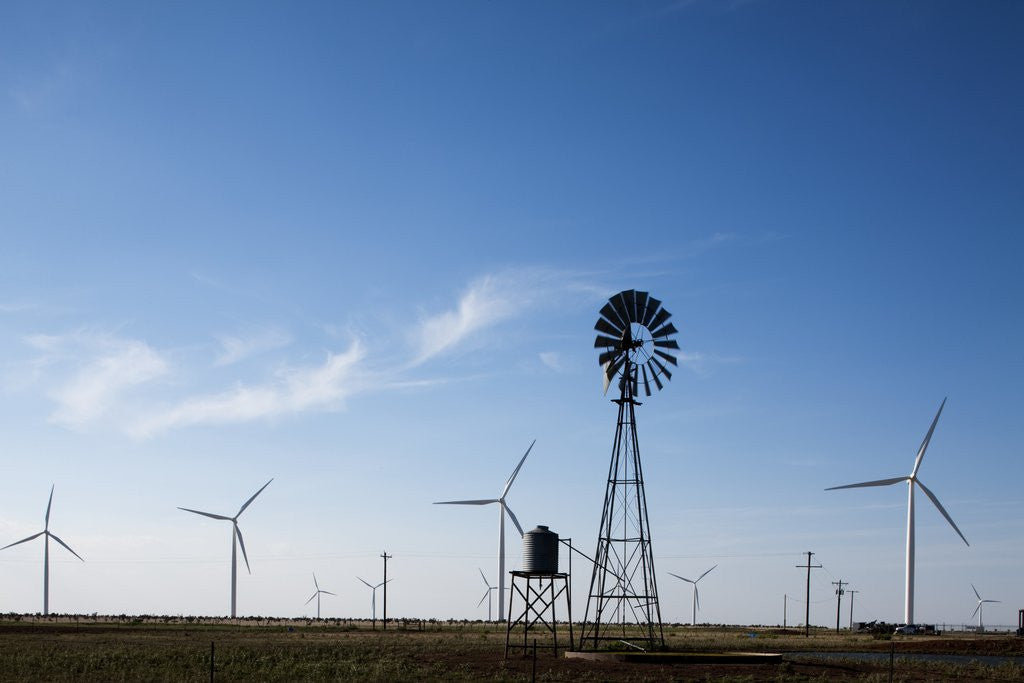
(622, 604)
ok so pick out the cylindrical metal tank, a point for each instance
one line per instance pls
(540, 551)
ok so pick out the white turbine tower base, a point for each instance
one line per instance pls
(47, 535)
(912, 480)
(696, 595)
(979, 610)
(236, 541)
(503, 509)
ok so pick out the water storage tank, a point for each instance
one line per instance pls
(540, 551)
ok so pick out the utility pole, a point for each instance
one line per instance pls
(386, 558)
(807, 616)
(839, 598)
(851, 607)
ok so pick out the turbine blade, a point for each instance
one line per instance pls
(654, 375)
(657, 320)
(975, 592)
(879, 482)
(206, 514)
(652, 309)
(310, 598)
(252, 498)
(24, 540)
(696, 595)
(383, 582)
(241, 544)
(608, 328)
(608, 356)
(514, 520)
(487, 594)
(48, 504)
(681, 577)
(66, 546)
(468, 502)
(667, 357)
(315, 583)
(329, 593)
(515, 473)
(666, 343)
(664, 331)
(620, 307)
(609, 312)
(976, 610)
(641, 305)
(486, 582)
(991, 600)
(945, 514)
(705, 574)
(367, 584)
(927, 439)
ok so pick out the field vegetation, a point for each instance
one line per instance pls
(126, 648)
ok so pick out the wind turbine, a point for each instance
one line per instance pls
(912, 479)
(696, 595)
(487, 595)
(502, 509)
(236, 541)
(979, 610)
(317, 595)
(47, 535)
(373, 600)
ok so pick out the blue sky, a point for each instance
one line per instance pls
(360, 248)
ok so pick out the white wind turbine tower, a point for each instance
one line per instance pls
(47, 535)
(373, 600)
(317, 595)
(979, 610)
(696, 595)
(912, 479)
(236, 541)
(502, 509)
(487, 595)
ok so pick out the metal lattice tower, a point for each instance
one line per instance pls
(622, 604)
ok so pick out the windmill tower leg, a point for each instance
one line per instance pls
(908, 612)
(46, 575)
(623, 595)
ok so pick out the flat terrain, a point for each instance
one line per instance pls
(62, 649)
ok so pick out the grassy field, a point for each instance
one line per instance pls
(160, 649)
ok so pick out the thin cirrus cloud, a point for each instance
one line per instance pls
(493, 299)
(111, 368)
(238, 348)
(293, 390)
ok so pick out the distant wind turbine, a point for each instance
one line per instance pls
(696, 595)
(236, 541)
(317, 595)
(373, 600)
(487, 595)
(979, 610)
(503, 508)
(912, 479)
(47, 535)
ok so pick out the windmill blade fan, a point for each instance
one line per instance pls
(634, 339)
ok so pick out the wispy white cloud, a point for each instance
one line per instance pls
(293, 390)
(553, 360)
(107, 368)
(704, 364)
(237, 348)
(490, 300)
